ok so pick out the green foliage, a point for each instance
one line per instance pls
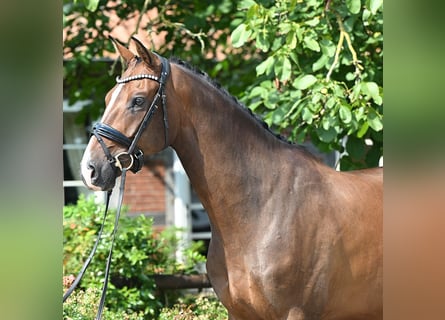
(82, 305)
(138, 252)
(195, 31)
(321, 76)
(200, 308)
(312, 69)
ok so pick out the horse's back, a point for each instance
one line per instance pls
(373, 174)
(359, 187)
(358, 206)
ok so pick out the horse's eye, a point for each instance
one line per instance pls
(138, 101)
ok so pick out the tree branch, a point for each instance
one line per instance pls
(344, 35)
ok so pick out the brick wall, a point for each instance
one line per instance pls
(145, 191)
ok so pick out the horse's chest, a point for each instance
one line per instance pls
(244, 296)
(248, 291)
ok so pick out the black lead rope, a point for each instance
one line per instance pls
(110, 253)
(93, 251)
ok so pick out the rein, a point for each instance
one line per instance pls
(136, 157)
(110, 252)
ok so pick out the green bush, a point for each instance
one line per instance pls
(138, 253)
(82, 305)
(196, 308)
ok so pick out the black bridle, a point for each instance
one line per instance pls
(134, 154)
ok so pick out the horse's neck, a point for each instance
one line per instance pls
(221, 146)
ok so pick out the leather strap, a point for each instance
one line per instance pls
(93, 251)
(110, 252)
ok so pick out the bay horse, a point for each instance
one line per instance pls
(291, 237)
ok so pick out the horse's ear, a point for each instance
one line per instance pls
(145, 54)
(126, 54)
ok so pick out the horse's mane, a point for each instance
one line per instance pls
(217, 85)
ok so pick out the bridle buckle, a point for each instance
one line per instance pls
(118, 161)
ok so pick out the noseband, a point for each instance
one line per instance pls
(135, 155)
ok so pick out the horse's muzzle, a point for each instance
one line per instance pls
(99, 175)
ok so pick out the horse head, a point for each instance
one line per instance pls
(134, 122)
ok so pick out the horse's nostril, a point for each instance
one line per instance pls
(92, 167)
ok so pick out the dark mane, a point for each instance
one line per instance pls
(217, 85)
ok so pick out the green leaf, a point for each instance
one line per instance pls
(330, 103)
(316, 98)
(326, 123)
(272, 100)
(277, 43)
(268, 84)
(365, 16)
(251, 13)
(371, 89)
(350, 76)
(314, 107)
(245, 4)
(327, 47)
(291, 40)
(353, 6)
(295, 110)
(262, 42)
(254, 105)
(258, 91)
(374, 120)
(240, 35)
(307, 115)
(277, 116)
(374, 5)
(355, 93)
(265, 66)
(278, 67)
(311, 44)
(91, 5)
(378, 100)
(363, 130)
(294, 57)
(326, 135)
(285, 27)
(349, 22)
(304, 82)
(345, 114)
(320, 63)
(313, 22)
(287, 70)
